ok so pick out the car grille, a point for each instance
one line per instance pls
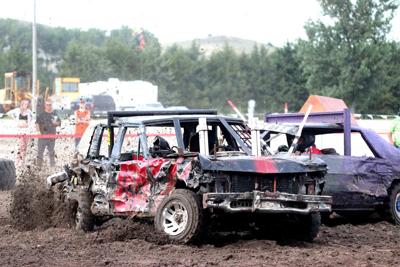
(247, 184)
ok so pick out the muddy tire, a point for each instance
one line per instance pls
(84, 219)
(180, 216)
(307, 227)
(394, 204)
(7, 174)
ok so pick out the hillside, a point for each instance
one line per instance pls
(216, 43)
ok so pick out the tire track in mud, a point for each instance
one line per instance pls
(125, 229)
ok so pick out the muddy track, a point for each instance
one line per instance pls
(134, 243)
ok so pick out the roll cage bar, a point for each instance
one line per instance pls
(113, 115)
(339, 117)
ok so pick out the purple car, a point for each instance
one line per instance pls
(363, 168)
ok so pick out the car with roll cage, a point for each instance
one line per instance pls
(363, 168)
(178, 167)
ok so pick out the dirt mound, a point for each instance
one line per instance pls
(33, 208)
(125, 229)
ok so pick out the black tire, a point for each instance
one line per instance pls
(394, 204)
(179, 205)
(307, 226)
(84, 219)
(7, 174)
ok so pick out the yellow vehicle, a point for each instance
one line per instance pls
(67, 86)
(17, 86)
(65, 90)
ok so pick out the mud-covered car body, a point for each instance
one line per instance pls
(149, 158)
(363, 168)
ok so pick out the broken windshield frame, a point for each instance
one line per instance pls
(116, 150)
(95, 141)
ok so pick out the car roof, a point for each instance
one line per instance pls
(183, 118)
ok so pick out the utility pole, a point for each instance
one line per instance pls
(34, 61)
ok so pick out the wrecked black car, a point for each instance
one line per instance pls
(363, 168)
(177, 166)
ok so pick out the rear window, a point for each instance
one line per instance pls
(331, 143)
(359, 147)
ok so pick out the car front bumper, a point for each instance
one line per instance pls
(267, 202)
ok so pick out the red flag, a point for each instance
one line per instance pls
(139, 37)
(141, 40)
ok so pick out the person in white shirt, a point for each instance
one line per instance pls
(23, 115)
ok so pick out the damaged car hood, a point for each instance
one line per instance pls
(277, 164)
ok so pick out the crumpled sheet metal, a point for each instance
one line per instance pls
(138, 191)
(357, 181)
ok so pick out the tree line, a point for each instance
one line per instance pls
(348, 57)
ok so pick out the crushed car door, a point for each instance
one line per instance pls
(145, 171)
(356, 181)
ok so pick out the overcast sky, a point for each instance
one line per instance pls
(274, 21)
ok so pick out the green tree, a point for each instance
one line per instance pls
(348, 57)
(288, 79)
(259, 74)
(223, 79)
(85, 61)
(124, 61)
(18, 59)
(181, 77)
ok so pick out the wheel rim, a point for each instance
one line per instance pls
(174, 218)
(397, 205)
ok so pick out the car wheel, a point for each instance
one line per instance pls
(84, 219)
(7, 174)
(179, 216)
(394, 204)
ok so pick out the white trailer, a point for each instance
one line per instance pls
(128, 95)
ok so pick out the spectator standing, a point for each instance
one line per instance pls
(47, 123)
(82, 118)
(395, 131)
(23, 116)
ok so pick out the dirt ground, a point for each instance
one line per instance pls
(35, 233)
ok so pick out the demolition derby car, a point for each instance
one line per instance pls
(363, 168)
(178, 166)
